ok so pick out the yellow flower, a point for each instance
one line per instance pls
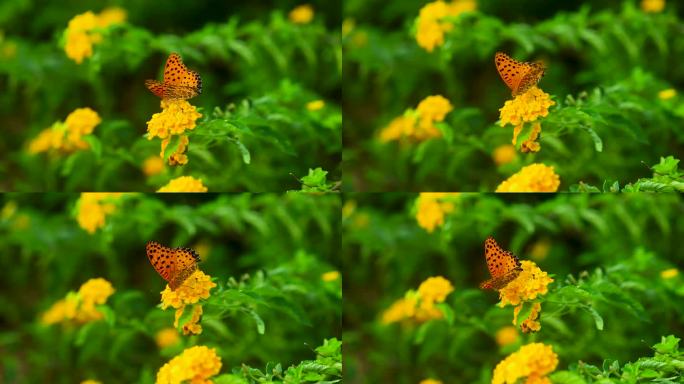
(42, 142)
(527, 107)
(399, 310)
(400, 127)
(531, 282)
(184, 184)
(176, 117)
(93, 208)
(196, 365)
(531, 324)
(667, 94)
(652, 6)
(179, 157)
(315, 105)
(153, 165)
(533, 361)
(435, 289)
(504, 154)
(347, 26)
(433, 109)
(506, 335)
(431, 28)
(330, 276)
(67, 136)
(302, 14)
(192, 327)
(80, 306)
(535, 177)
(90, 382)
(80, 36)
(82, 121)
(194, 288)
(419, 124)
(531, 144)
(430, 381)
(431, 210)
(167, 337)
(669, 273)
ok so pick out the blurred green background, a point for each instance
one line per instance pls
(259, 71)
(612, 57)
(266, 252)
(606, 251)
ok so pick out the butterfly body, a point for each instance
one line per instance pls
(503, 265)
(518, 76)
(179, 82)
(175, 265)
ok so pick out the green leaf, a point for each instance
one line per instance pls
(566, 377)
(261, 327)
(598, 320)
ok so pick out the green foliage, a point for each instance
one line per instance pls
(259, 71)
(606, 64)
(265, 252)
(666, 178)
(605, 253)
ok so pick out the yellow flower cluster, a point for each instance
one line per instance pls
(535, 177)
(315, 105)
(302, 14)
(527, 107)
(153, 165)
(79, 307)
(431, 208)
(418, 124)
(80, 35)
(430, 381)
(92, 209)
(533, 361)
(669, 273)
(194, 288)
(195, 365)
(67, 136)
(652, 6)
(90, 382)
(531, 283)
(176, 117)
(184, 184)
(167, 337)
(504, 154)
(667, 94)
(420, 305)
(431, 25)
(506, 335)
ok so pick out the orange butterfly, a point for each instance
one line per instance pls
(518, 76)
(173, 264)
(503, 265)
(179, 81)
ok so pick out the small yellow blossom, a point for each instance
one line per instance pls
(433, 109)
(526, 107)
(194, 288)
(506, 335)
(176, 117)
(167, 337)
(302, 14)
(652, 6)
(192, 327)
(184, 184)
(315, 105)
(419, 124)
(531, 282)
(90, 382)
(533, 361)
(330, 276)
(430, 381)
(67, 136)
(153, 165)
(431, 27)
(80, 35)
(196, 365)
(540, 249)
(532, 178)
(420, 305)
(178, 157)
(504, 154)
(531, 144)
(398, 128)
(669, 273)
(431, 209)
(531, 324)
(667, 94)
(80, 306)
(93, 208)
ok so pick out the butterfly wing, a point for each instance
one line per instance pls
(186, 264)
(155, 87)
(518, 76)
(180, 82)
(163, 259)
(503, 265)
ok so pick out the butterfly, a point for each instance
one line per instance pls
(173, 264)
(179, 81)
(518, 76)
(503, 265)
